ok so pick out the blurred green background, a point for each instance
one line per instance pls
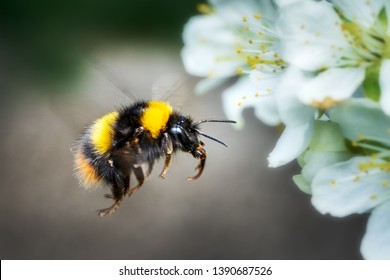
(65, 63)
(46, 42)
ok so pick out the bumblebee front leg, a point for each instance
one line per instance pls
(201, 154)
(168, 149)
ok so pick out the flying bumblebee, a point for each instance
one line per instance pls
(129, 141)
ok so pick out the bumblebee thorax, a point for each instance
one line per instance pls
(155, 117)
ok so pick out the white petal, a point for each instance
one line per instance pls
(362, 12)
(207, 28)
(318, 160)
(282, 3)
(384, 81)
(376, 241)
(292, 111)
(312, 35)
(203, 62)
(266, 110)
(293, 141)
(243, 95)
(353, 186)
(209, 49)
(208, 84)
(233, 11)
(333, 84)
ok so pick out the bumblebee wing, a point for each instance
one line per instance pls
(130, 157)
(172, 88)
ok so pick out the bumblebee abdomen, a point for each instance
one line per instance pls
(85, 171)
(102, 132)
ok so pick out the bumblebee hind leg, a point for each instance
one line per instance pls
(118, 194)
(139, 175)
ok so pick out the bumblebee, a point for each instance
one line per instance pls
(129, 141)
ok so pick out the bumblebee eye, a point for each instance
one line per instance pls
(176, 130)
(180, 133)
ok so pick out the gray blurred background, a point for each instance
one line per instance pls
(63, 65)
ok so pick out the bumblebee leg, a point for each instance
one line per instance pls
(139, 175)
(126, 188)
(168, 158)
(168, 149)
(118, 193)
(150, 168)
(110, 210)
(201, 154)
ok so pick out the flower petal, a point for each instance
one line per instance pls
(293, 141)
(292, 111)
(233, 11)
(384, 82)
(318, 160)
(353, 186)
(208, 84)
(209, 49)
(243, 94)
(361, 11)
(332, 85)
(310, 43)
(376, 241)
(282, 3)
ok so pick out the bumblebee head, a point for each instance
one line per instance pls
(187, 132)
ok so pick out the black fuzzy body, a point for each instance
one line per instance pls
(134, 150)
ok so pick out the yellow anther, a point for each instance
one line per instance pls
(373, 196)
(324, 104)
(204, 8)
(361, 138)
(258, 16)
(211, 74)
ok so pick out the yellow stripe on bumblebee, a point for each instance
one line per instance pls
(102, 132)
(155, 117)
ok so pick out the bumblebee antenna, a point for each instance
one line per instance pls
(210, 137)
(214, 120)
